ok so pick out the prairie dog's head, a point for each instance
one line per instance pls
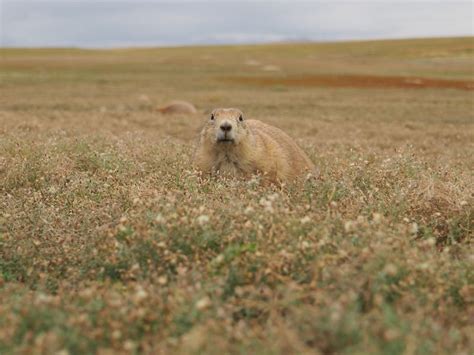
(225, 126)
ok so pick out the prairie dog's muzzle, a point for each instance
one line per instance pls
(225, 132)
(226, 126)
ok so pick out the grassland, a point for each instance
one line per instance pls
(111, 243)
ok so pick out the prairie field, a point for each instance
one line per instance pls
(111, 242)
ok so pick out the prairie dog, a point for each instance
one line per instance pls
(232, 145)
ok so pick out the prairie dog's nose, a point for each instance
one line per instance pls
(226, 126)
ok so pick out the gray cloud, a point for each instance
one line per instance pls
(109, 23)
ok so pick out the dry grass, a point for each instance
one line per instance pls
(109, 241)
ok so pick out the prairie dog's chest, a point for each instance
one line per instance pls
(229, 163)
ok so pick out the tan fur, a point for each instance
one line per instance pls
(256, 148)
(178, 107)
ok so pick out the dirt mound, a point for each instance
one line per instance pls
(178, 107)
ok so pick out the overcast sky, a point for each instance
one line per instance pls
(111, 23)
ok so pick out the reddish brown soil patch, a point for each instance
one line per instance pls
(359, 81)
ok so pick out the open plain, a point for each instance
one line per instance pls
(110, 242)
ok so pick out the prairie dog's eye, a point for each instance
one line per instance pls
(241, 118)
(212, 117)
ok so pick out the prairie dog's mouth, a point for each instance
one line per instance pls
(225, 140)
(225, 136)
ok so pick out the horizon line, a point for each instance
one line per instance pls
(236, 44)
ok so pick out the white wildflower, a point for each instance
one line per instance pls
(305, 220)
(203, 303)
(203, 219)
